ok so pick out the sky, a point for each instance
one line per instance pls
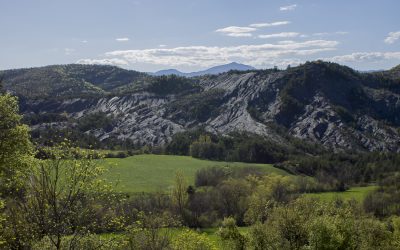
(190, 35)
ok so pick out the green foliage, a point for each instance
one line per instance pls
(196, 107)
(62, 81)
(96, 121)
(339, 170)
(61, 192)
(87, 242)
(385, 200)
(171, 84)
(356, 193)
(204, 148)
(15, 147)
(309, 224)
(191, 240)
(16, 161)
(179, 194)
(150, 231)
(231, 236)
(240, 147)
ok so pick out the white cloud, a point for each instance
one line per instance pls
(206, 56)
(280, 35)
(162, 45)
(262, 25)
(122, 39)
(330, 33)
(84, 41)
(288, 7)
(392, 37)
(111, 61)
(365, 57)
(235, 29)
(239, 34)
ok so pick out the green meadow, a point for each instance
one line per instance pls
(147, 173)
(357, 193)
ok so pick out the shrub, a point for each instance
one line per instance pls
(190, 240)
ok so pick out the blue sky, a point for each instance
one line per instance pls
(149, 35)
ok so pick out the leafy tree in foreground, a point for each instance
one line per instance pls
(16, 158)
(61, 195)
(16, 150)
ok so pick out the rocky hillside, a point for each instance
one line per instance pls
(320, 102)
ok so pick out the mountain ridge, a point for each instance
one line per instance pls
(210, 71)
(325, 103)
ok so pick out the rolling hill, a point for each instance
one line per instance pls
(325, 103)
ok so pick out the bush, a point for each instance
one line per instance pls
(190, 240)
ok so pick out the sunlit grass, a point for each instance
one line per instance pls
(148, 173)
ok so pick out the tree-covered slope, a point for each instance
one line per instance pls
(321, 102)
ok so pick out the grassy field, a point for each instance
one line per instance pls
(357, 193)
(147, 173)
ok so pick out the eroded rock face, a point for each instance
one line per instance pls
(143, 117)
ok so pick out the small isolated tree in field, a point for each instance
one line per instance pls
(61, 194)
(179, 194)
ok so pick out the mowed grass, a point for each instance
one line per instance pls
(148, 173)
(357, 193)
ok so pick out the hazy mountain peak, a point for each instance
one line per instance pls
(211, 71)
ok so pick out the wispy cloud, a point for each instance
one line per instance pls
(262, 25)
(162, 45)
(122, 39)
(392, 37)
(85, 41)
(240, 34)
(246, 31)
(206, 56)
(280, 35)
(330, 33)
(236, 31)
(106, 61)
(365, 57)
(288, 7)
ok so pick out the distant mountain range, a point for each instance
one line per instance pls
(211, 71)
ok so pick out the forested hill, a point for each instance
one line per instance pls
(321, 102)
(68, 80)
